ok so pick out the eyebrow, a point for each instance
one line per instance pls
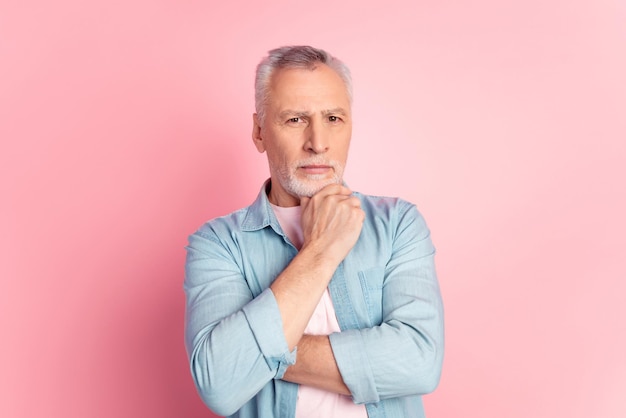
(335, 111)
(302, 113)
(289, 113)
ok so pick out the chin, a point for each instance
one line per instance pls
(309, 187)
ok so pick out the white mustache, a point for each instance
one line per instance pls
(317, 161)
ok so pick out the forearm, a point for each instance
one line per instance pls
(298, 290)
(316, 366)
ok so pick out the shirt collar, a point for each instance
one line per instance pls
(260, 213)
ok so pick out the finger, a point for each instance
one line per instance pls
(348, 201)
(355, 201)
(333, 189)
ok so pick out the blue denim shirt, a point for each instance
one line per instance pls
(385, 294)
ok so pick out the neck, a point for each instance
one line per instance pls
(282, 200)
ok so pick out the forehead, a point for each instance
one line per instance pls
(320, 86)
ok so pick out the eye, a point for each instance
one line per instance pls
(333, 119)
(294, 120)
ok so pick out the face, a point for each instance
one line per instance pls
(306, 132)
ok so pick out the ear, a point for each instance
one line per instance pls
(256, 134)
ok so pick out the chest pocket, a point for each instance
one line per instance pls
(371, 281)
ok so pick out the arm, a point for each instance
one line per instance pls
(331, 224)
(401, 356)
(316, 365)
(234, 341)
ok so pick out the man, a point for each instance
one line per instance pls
(315, 301)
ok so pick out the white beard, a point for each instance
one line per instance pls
(313, 183)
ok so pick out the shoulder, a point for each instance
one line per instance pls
(221, 229)
(393, 212)
(233, 220)
(253, 217)
(385, 205)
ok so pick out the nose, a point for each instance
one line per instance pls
(317, 138)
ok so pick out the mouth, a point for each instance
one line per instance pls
(316, 168)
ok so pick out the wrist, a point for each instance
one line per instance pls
(321, 255)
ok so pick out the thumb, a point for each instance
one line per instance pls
(304, 201)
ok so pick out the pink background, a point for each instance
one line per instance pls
(125, 125)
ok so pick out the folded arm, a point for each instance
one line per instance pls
(402, 355)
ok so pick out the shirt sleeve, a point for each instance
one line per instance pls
(403, 355)
(235, 341)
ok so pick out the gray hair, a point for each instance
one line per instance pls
(305, 57)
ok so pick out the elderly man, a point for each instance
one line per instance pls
(314, 301)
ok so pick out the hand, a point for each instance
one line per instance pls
(332, 220)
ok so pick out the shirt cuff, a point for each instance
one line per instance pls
(349, 351)
(266, 324)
